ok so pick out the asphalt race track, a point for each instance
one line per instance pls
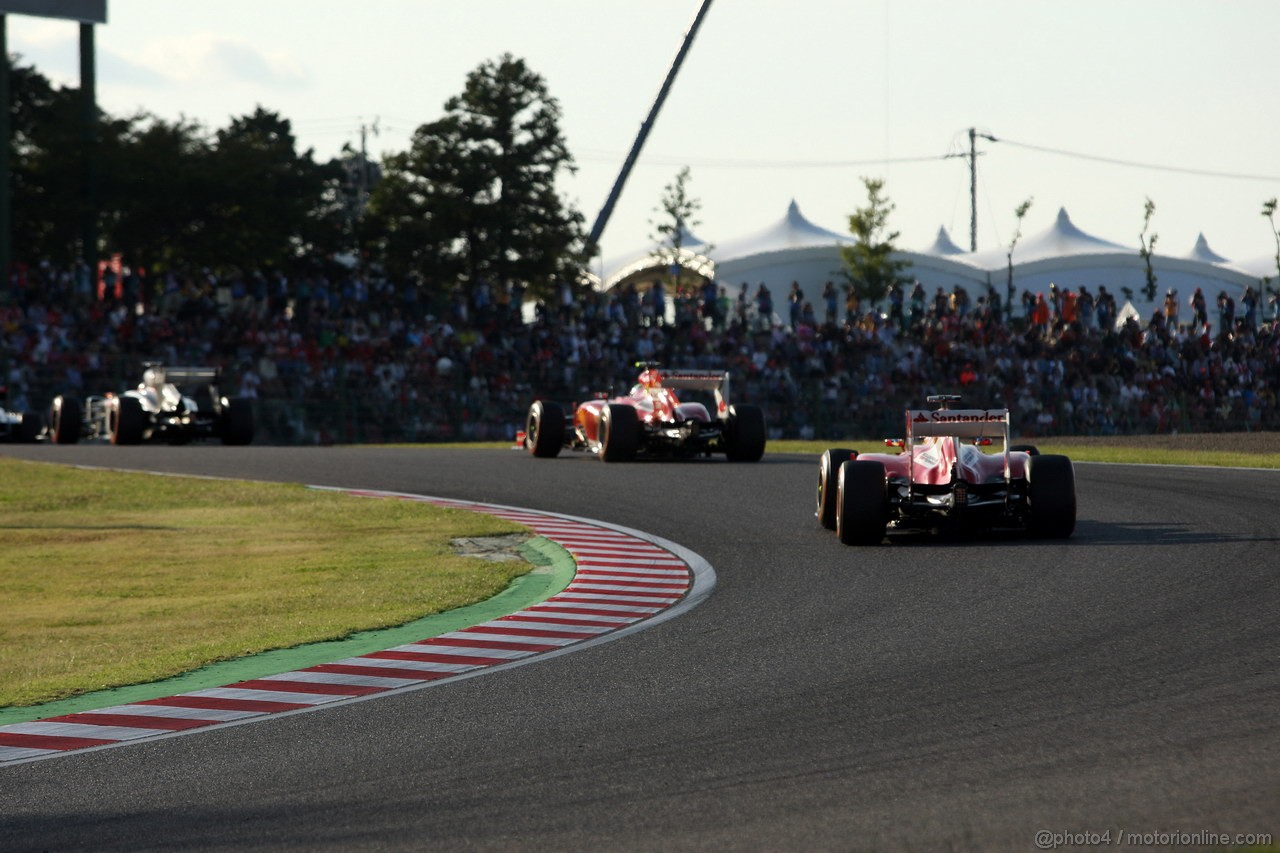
(922, 695)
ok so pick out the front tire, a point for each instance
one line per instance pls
(828, 471)
(862, 505)
(1051, 496)
(544, 429)
(620, 433)
(127, 421)
(747, 434)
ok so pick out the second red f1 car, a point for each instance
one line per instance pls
(651, 421)
(945, 481)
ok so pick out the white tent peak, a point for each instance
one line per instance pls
(792, 231)
(1202, 252)
(943, 245)
(1061, 239)
(1064, 237)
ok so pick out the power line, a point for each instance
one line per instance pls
(724, 163)
(1135, 164)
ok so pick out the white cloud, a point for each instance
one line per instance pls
(209, 59)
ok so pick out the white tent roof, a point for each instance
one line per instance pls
(793, 231)
(1061, 239)
(1263, 266)
(943, 245)
(1202, 252)
(691, 247)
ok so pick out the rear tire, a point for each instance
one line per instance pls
(1051, 495)
(862, 505)
(237, 421)
(619, 433)
(747, 434)
(828, 471)
(127, 420)
(544, 429)
(65, 420)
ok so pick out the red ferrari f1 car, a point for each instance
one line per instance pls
(942, 479)
(650, 421)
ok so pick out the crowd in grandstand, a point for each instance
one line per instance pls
(340, 356)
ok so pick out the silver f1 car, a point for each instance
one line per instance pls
(941, 479)
(651, 421)
(171, 404)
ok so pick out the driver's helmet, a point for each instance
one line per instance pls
(651, 378)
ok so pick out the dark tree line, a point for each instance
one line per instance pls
(473, 198)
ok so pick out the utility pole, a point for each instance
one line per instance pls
(973, 185)
(603, 219)
(89, 114)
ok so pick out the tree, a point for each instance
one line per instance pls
(1148, 248)
(49, 203)
(1019, 213)
(680, 209)
(157, 194)
(869, 264)
(268, 200)
(1269, 211)
(474, 197)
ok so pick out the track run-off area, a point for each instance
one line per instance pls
(622, 581)
(927, 693)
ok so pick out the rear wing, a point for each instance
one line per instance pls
(962, 423)
(957, 423)
(715, 381)
(157, 375)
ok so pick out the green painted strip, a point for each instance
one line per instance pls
(554, 570)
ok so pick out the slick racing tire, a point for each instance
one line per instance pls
(544, 429)
(828, 471)
(1051, 497)
(619, 433)
(236, 421)
(862, 506)
(65, 420)
(127, 420)
(747, 434)
(1029, 449)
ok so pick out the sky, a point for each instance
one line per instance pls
(1095, 105)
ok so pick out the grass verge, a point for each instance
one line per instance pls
(1152, 453)
(110, 578)
(1235, 450)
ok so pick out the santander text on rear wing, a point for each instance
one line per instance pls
(962, 423)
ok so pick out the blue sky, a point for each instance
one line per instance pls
(777, 101)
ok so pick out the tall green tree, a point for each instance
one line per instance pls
(157, 195)
(869, 264)
(1269, 211)
(1019, 213)
(269, 200)
(49, 202)
(475, 195)
(1148, 249)
(679, 209)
